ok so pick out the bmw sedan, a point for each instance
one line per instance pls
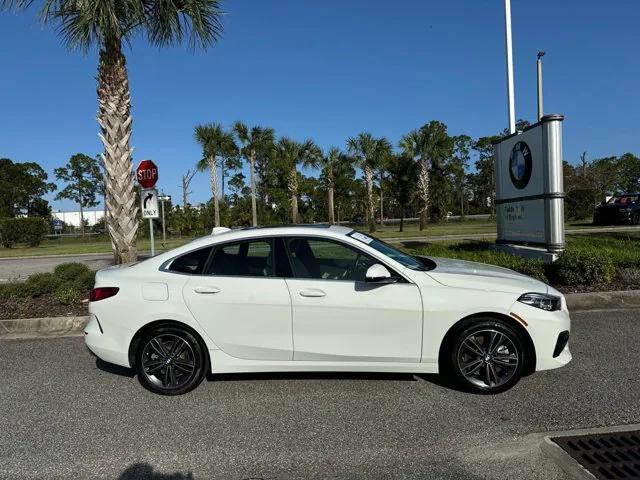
(320, 298)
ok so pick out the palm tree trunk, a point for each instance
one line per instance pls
(423, 191)
(114, 117)
(368, 176)
(252, 175)
(381, 201)
(293, 190)
(213, 169)
(332, 219)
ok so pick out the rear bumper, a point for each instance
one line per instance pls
(105, 345)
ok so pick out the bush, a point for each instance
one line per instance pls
(67, 293)
(579, 203)
(584, 267)
(12, 290)
(70, 271)
(85, 281)
(28, 230)
(41, 283)
(630, 277)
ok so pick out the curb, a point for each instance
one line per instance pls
(561, 458)
(42, 327)
(65, 326)
(577, 302)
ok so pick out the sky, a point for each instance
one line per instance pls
(329, 70)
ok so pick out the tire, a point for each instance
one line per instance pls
(477, 368)
(635, 220)
(170, 360)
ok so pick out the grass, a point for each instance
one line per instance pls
(88, 245)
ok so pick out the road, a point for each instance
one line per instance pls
(12, 269)
(65, 415)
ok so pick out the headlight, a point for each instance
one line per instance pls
(541, 300)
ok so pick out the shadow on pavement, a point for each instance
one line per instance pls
(144, 471)
(116, 369)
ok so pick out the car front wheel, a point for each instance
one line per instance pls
(170, 361)
(487, 357)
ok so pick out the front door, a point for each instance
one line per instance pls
(337, 316)
(241, 305)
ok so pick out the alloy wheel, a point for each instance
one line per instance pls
(168, 361)
(488, 358)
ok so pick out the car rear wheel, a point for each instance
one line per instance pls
(635, 220)
(487, 356)
(170, 361)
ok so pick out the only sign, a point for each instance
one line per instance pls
(147, 174)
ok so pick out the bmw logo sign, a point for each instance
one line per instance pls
(520, 165)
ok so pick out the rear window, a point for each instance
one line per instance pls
(192, 262)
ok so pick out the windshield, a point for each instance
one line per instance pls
(623, 199)
(391, 252)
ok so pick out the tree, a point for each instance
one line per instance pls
(329, 163)
(22, 186)
(369, 152)
(402, 174)
(107, 24)
(215, 142)
(81, 174)
(458, 165)
(255, 142)
(485, 168)
(186, 181)
(291, 154)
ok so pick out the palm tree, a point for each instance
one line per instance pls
(215, 142)
(402, 172)
(107, 24)
(412, 145)
(255, 141)
(292, 154)
(369, 152)
(328, 164)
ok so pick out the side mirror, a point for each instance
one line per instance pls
(378, 274)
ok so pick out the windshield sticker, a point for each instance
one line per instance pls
(362, 238)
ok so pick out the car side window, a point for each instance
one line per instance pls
(192, 262)
(252, 258)
(327, 260)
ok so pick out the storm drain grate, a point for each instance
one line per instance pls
(607, 456)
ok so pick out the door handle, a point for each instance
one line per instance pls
(312, 292)
(206, 290)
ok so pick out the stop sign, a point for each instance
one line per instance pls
(147, 174)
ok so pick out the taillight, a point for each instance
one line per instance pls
(101, 293)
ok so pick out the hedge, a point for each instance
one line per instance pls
(29, 230)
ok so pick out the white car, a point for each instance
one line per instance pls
(319, 298)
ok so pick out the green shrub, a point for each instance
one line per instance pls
(584, 267)
(67, 293)
(580, 204)
(85, 281)
(11, 290)
(70, 271)
(41, 283)
(28, 230)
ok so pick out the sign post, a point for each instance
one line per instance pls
(164, 198)
(147, 175)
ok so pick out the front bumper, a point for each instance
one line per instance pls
(103, 344)
(545, 329)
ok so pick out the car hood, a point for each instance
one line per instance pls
(480, 276)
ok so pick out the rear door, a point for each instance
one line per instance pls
(240, 303)
(337, 316)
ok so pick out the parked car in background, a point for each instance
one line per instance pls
(619, 209)
(320, 298)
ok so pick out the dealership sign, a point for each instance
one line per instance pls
(529, 186)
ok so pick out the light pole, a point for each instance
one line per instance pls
(539, 65)
(509, 55)
(164, 198)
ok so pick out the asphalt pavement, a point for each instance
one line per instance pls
(63, 414)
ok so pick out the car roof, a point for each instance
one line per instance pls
(268, 230)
